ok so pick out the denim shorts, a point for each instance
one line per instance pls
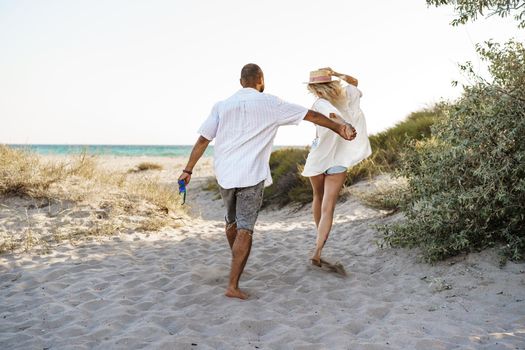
(335, 170)
(242, 205)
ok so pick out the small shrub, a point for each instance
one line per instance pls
(144, 166)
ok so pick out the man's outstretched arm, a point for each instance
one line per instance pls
(196, 153)
(344, 130)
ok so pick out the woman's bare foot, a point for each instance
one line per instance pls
(316, 261)
(236, 293)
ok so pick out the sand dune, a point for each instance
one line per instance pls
(165, 290)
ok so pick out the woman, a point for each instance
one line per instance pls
(330, 156)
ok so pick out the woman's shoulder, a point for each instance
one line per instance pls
(324, 106)
(321, 102)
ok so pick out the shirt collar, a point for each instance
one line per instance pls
(248, 90)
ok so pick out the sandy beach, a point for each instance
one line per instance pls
(164, 290)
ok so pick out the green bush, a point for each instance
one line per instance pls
(288, 184)
(467, 182)
(388, 145)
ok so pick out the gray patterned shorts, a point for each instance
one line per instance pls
(242, 205)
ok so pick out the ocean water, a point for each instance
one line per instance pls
(114, 150)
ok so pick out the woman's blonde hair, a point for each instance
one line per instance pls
(332, 91)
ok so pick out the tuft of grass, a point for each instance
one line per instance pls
(390, 196)
(84, 166)
(6, 242)
(154, 223)
(22, 174)
(104, 228)
(150, 189)
(144, 166)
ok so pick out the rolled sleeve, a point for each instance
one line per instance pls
(288, 113)
(209, 128)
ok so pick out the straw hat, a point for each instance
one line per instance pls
(320, 76)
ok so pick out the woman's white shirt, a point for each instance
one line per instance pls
(329, 149)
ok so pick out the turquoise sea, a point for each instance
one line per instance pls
(115, 150)
(120, 150)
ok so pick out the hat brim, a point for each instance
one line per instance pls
(320, 82)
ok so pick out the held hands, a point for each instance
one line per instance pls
(342, 128)
(347, 131)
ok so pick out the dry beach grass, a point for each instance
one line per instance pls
(47, 202)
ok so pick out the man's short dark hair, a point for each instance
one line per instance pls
(251, 73)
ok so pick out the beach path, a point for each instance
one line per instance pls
(165, 290)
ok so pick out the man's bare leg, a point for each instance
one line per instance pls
(240, 253)
(231, 233)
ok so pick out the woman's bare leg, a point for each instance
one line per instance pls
(332, 187)
(318, 190)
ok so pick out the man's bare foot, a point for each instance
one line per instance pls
(236, 293)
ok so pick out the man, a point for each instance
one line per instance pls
(244, 127)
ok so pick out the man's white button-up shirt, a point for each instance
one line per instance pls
(244, 127)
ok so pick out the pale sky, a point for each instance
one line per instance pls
(149, 72)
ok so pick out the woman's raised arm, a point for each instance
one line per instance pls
(348, 78)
